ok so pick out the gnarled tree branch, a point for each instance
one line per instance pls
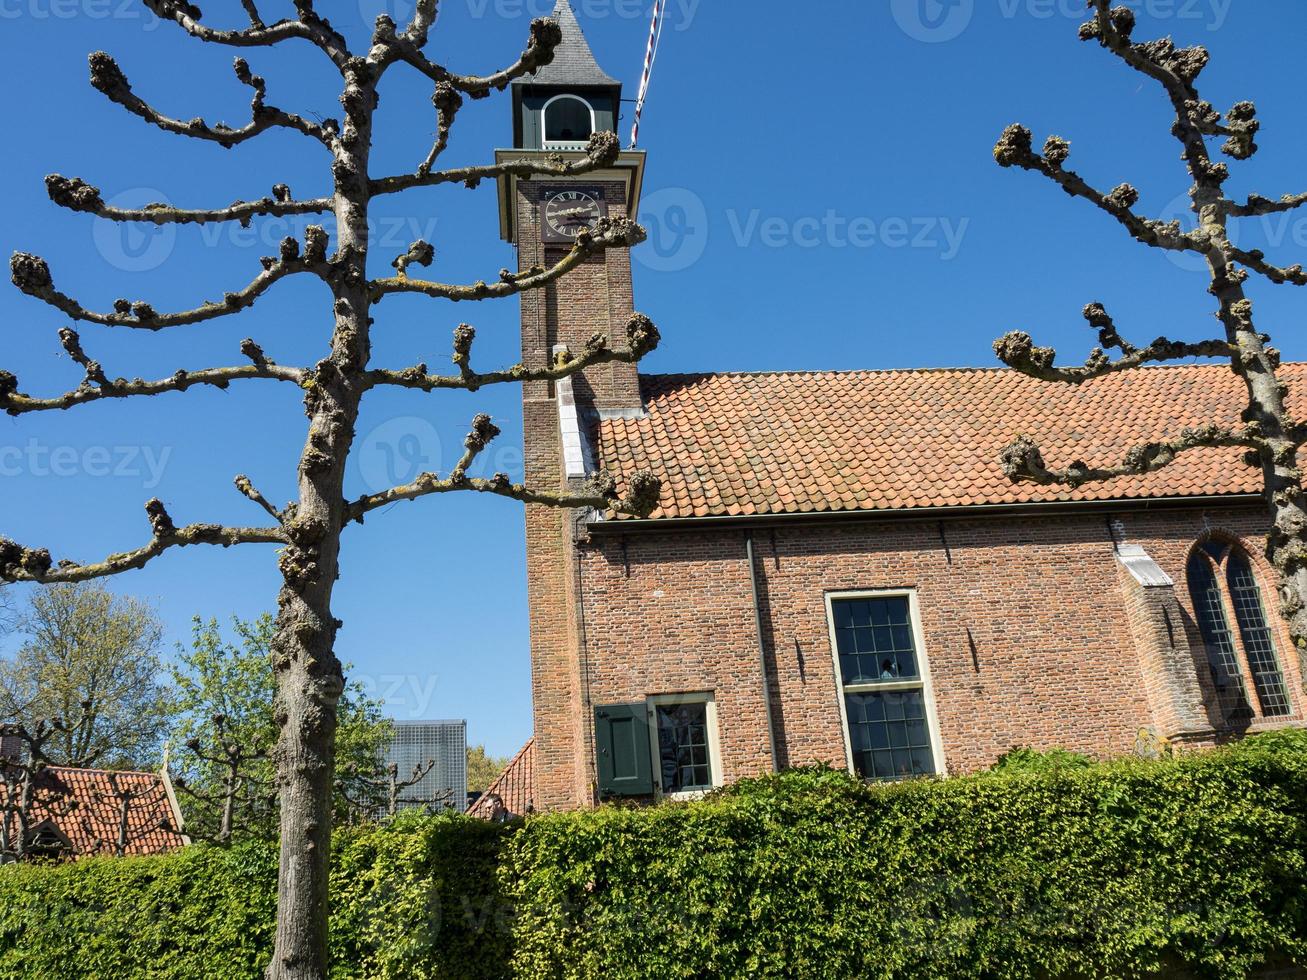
(309, 27)
(601, 151)
(1255, 260)
(545, 36)
(31, 274)
(1017, 350)
(20, 564)
(1014, 149)
(97, 386)
(1257, 205)
(607, 233)
(1022, 461)
(77, 195)
(108, 78)
(641, 336)
(601, 492)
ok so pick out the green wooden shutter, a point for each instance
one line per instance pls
(622, 748)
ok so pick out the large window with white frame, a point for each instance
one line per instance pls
(885, 693)
(686, 758)
(569, 121)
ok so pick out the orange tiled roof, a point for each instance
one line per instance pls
(747, 444)
(92, 826)
(515, 785)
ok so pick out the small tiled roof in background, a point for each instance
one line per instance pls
(92, 827)
(746, 444)
(515, 786)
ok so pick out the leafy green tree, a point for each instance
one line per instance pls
(224, 718)
(482, 768)
(91, 657)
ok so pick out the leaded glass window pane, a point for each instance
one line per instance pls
(683, 746)
(1258, 643)
(1215, 628)
(874, 640)
(889, 734)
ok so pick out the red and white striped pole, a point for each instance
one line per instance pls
(655, 35)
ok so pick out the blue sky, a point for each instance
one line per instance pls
(820, 194)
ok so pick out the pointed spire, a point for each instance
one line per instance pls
(574, 63)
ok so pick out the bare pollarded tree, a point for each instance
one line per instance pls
(308, 530)
(1269, 435)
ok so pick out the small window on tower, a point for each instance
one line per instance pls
(569, 121)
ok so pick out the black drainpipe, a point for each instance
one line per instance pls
(762, 649)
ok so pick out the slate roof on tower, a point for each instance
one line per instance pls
(730, 445)
(574, 64)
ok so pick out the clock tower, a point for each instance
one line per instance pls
(554, 113)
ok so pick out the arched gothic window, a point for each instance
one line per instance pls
(569, 121)
(1221, 581)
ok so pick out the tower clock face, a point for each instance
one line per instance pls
(567, 212)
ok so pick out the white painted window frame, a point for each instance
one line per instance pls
(714, 742)
(565, 144)
(923, 684)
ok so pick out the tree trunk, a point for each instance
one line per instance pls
(309, 676)
(1257, 363)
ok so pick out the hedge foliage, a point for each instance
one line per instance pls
(1196, 866)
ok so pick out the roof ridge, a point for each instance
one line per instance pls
(106, 772)
(996, 369)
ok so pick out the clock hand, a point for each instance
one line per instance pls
(574, 213)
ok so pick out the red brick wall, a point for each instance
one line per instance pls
(1027, 629)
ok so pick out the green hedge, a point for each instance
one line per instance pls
(1190, 867)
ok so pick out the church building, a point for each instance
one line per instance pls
(838, 570)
